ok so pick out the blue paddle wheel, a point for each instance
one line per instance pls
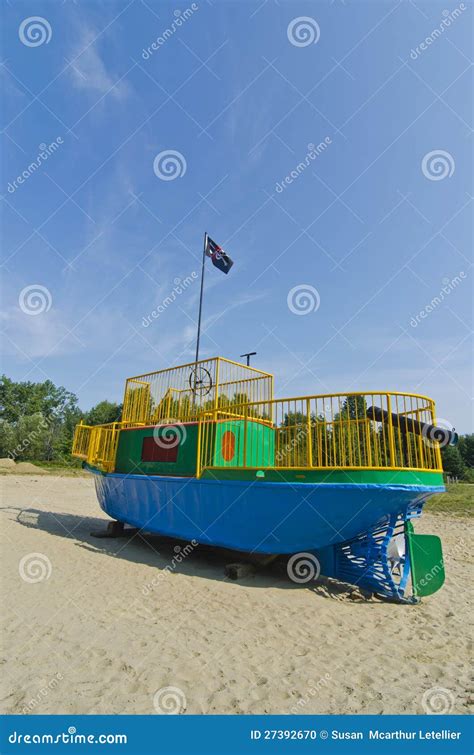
(381, 560)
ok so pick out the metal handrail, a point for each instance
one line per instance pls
(323, 431)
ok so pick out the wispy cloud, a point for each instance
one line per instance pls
(34, 337)
(238, 301)
(56, 332)
(88, 70)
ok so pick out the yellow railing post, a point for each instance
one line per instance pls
(422, 462)
(198, 450)
(438, 457)
(246, 411)
(310, 440)
(391, 438)
(216, 400)
(368, 427)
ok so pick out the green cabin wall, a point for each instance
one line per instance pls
(260, 448)
(129, 452)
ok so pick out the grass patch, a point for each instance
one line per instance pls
(60, 469)
(69, 469)
(457, 501)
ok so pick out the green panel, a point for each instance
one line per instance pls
(262, 445)
(259, 447)
(357, 476)
(129, 452)
(221, 428)
(426, 561)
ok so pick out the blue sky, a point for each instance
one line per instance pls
(376, 223)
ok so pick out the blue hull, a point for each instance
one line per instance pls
(262, 517)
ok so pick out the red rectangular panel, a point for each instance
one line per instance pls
(152, 451)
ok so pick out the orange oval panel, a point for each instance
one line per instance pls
(228, 445)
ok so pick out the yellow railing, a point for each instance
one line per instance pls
(178, 394)
(376, 430)
(81, 440)
(184, 393)
(97, 444)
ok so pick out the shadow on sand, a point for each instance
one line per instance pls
(167, 553)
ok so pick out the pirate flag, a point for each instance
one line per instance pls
(218, 257)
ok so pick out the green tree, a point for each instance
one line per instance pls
(466, 449)
(7, 438)
(33, 438)
(25, 399)
(350, 432)
(354, 407)
(103, 413)
(453, 463)
(63, 435)
(36, 420)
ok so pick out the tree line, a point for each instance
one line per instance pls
(37, 420)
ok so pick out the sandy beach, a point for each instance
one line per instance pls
(101, 625)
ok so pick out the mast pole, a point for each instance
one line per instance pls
(200, 311)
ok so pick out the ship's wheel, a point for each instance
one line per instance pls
(200, 381)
